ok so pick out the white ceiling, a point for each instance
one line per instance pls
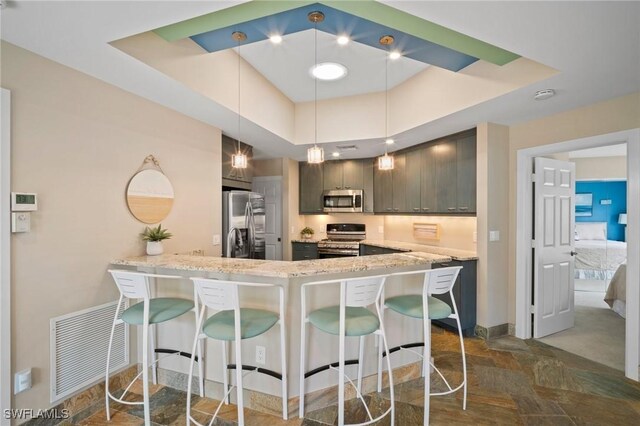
(287, 66)
(594, 45)
(605, 151)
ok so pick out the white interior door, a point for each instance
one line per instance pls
(271, 188)
(553, 261)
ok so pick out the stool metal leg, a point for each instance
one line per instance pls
(427, 355)
(196, 309)
(341, 354)
(303, 347)
(196, 341)
(106, 381)
(360, 362)
(283, 357)
(154, 365)
(225, 371)
(145, 363)
(239, 387)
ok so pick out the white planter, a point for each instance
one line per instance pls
(154, 248)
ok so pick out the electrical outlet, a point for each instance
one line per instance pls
(216, 239)
(261, 355)
(22, 381)
(494, 235)
(293, 229)
(380, 229)
(475, 237)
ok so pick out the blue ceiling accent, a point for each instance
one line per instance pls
(336, 22)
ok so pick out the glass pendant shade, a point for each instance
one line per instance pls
(239, 161)
(315, 155)
(385, 162)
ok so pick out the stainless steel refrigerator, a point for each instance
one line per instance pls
(243, 224)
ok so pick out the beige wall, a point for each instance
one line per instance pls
(605, 117)
(601, 168)
(493, 215)
(77, 141)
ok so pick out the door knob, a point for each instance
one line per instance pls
(573, 253)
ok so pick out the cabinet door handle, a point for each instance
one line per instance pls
(347, 187)
(463, 208)
(416, 209)
(451, 209)
(396, 209)
(319, 210)
(426, 209)
(337, 187)
(388, 209)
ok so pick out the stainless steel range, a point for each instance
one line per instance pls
(343, 240)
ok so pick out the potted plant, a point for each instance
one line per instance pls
(153, 237)
(306, 233)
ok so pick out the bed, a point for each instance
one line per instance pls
(616, 296)
(597, 258)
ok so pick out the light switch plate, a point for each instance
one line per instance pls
(216, 239)
(22, 381)
(494, 235)
(20, 222)
(475, 237)
(380, 229)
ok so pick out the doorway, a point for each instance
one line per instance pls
(271, 188)
(524, 221)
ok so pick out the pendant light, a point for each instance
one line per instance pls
(239, 159)
(315, 154)
(385, 162)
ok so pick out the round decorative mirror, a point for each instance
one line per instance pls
(150, 196)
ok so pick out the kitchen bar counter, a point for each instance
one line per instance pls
(455, 254)
(282, 269)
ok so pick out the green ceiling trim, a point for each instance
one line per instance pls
(426, 30)
(366, 9)
(226, 17)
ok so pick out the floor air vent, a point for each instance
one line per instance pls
(79, 343)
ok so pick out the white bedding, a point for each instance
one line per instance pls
(599, 259)
(616, 296)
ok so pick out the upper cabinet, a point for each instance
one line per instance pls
(229, 148)
(437, 177)
(311, 188)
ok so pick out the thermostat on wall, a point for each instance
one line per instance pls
(24, 202)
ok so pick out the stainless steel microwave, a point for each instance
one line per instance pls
(342, 201)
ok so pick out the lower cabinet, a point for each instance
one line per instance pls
(464, 291)
(367, 250)
(304, 251)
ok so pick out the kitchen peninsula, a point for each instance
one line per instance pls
(323, 349)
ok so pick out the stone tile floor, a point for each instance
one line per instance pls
(511, 382)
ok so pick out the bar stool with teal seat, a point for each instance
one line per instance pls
(233, 324)
(350, 318)
(426, 308)
(148, 313)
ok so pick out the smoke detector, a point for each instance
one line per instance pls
(542, 95)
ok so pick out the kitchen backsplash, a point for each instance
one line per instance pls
(455, 232)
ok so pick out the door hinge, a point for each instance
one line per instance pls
(533, 243)
(532, 309)
(534, 177)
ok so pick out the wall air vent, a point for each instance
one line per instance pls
(344, 148)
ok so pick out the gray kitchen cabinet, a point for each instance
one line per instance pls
(332, 175)
(367, 185)
(413, 170)
(466, 173)
(304, 251)
(352, 174)
(311, 188)
(465, 293)
(229, 173)
(382, 191)
(446, 176)
(399, 183)
(428, 182)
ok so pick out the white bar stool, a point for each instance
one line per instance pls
(350, 318)
(226, 325)
(426, 307)
(149, 312)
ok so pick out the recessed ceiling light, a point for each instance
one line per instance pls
(541, 95)
(276, 39)
(343, 39)
(328, 71)
(394, 55)
(336, 154)
(389, 141)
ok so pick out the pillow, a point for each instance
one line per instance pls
(591, 231)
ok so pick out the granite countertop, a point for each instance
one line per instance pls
(455, 254)
(283, 269)
(305, 241)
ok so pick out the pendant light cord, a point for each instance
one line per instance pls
(238, 139)
(315, 78)
(386, 102)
